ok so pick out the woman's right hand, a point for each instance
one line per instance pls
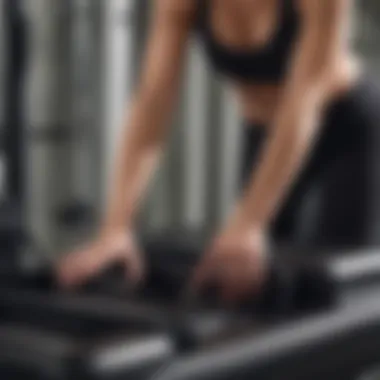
(110, 248)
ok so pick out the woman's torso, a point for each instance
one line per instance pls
(251, 43)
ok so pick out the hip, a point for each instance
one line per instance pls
(259, 103)
(349, 123)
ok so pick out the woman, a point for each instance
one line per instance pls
(308, 114)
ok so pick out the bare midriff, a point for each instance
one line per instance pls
(259, 102)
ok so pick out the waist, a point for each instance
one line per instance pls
(259, 103)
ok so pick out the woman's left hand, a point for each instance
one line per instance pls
(235, 263)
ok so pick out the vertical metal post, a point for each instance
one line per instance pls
(3, 61)
(195, 150)
(84, 108)
(13, 134)
(48, 106)
(230, 155)
(118, 32)
(3, 75)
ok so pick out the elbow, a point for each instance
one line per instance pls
(153, 103)
(320, 74)
(149, 122)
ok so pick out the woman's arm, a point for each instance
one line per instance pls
(321, 41)
(146, 127)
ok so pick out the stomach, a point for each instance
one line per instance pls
(258, 103)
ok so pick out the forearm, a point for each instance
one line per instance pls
(288, 147)
(138, 156)
(306, 90)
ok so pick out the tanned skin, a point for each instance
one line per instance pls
(321, 67)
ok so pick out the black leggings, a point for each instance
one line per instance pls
(335, 200)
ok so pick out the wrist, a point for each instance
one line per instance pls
(242, 220)
(114, 227)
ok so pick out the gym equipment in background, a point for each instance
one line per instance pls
(51, 147)
(12, 205)
(61, 114)
(77, 86)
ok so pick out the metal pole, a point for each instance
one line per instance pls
(13, 134)
(117, 78)
(3, 74)
(48, 111)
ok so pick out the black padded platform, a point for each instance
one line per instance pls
(331, 337)
(189, 328)
(337, 344)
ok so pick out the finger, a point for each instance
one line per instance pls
(80, 272)
(259, 275)
(250, 276)
(66, 269)
(231, 287)
(253, 279)
(87, 265)
(201, 274)
(229, 281)
(207, 275)
(134, 268)
(239, 285)
(96, 261)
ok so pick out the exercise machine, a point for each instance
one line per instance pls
(317, 316)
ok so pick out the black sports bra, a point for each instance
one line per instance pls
(267, 64)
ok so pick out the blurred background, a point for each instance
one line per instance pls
(82, 63)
